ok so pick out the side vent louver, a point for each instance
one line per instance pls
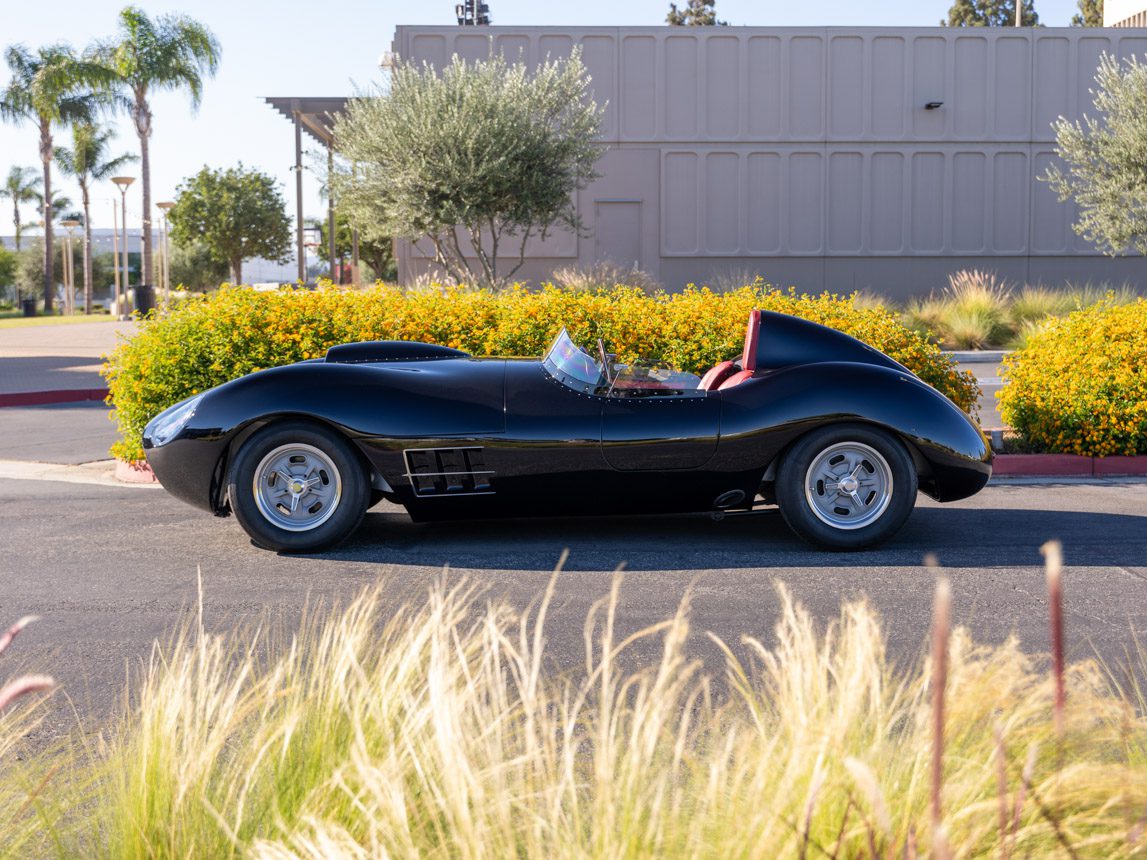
(447, 471)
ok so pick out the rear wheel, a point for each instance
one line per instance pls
(847, 486)
(297, 487)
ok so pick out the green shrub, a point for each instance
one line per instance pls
(209, 340)
(1079, 384)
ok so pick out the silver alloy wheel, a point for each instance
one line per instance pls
(848, 485)
(297, 487)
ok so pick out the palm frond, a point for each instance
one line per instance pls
(169, 52)
(110, 168)
(87, 159)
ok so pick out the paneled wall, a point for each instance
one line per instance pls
(810, 155)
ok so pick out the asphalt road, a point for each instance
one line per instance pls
(56, 433)
(111, 568)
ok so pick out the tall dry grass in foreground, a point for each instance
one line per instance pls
(442, 732)
(16, 720)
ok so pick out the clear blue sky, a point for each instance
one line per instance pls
(326, 47)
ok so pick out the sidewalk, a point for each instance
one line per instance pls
(56, 363)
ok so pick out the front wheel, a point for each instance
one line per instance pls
(847, 486)
(297, 487)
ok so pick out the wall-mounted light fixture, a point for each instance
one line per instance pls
(933, 105)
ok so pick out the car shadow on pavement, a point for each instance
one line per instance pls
(959, 537)
(49, 373)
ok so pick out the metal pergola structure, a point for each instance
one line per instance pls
(315, 116)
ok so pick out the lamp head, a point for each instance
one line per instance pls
(123, 181)
(166, 205)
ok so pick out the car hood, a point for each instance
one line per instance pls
(375, 351)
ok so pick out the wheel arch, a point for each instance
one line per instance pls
(220, 504)
(924, 472)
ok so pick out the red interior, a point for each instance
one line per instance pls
(716, 375)
(727, 374)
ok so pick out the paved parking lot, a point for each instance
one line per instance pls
(112, 568)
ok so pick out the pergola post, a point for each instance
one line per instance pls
(299, 197)
(331, 208)
(354, 255)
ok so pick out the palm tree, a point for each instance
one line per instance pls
(21, 186)
(48, 87)
(60, 203)
(170, 52)
(87, 162)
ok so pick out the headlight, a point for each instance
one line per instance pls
(166, 425)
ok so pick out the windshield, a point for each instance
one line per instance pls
(572, 365)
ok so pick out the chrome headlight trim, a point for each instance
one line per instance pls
(167, 424)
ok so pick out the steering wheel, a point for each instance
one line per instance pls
(604, 361)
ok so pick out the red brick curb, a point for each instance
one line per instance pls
(43, 398)
(1067, 465)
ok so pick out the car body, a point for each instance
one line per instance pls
(447, 435)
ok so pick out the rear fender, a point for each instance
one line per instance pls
(765, 415)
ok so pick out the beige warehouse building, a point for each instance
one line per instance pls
(828, 158)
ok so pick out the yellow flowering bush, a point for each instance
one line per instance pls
(209, 340)
(1079, 385)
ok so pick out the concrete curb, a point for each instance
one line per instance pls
(44, 398)
(977, 356)
(1068, 465)
(100, 472)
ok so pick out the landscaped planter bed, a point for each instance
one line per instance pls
(134, 472)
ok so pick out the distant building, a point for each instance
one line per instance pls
(1125, 13)
(828, 158)
(254, 271)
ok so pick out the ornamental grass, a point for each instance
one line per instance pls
(1079, 384)
(206, 341)
(979, 310)
(445, 730)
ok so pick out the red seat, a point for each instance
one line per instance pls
(716, 375)
(727, 374)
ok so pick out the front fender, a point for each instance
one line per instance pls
(769, 412)
(363, 401)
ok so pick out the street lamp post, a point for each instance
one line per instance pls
(165, 249)
(114, 309)
(315, 240)
(121, 301)
(69, 267)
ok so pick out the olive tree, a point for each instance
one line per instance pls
(1103, 160)
(489, 150)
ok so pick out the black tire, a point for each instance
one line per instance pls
(850, 513)
(290, 456)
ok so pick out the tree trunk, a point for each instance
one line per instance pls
(143, 129)
(145, 177)
(16, 219)
(49, 249)
(237, 272)
(87, 251)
